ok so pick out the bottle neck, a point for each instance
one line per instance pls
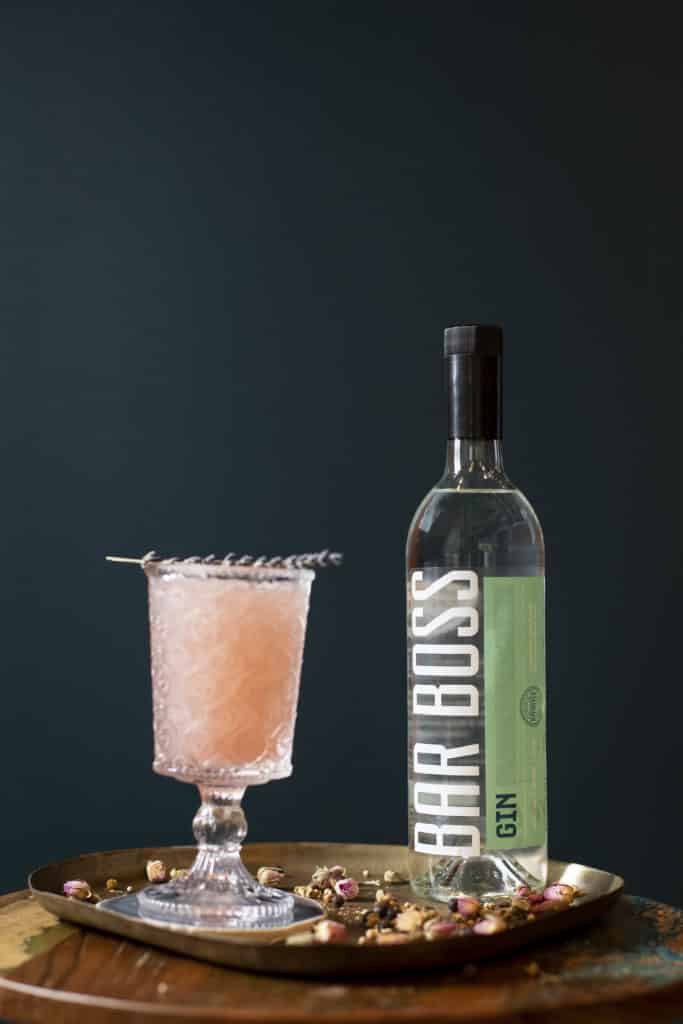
(475, 459)
(473, 385)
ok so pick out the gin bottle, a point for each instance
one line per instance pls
(476, 652)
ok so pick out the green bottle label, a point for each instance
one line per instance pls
(476, 670)
(514, 711)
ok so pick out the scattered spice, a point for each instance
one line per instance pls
(392, 922)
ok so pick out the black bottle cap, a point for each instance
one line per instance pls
(473, 356)
(473, 339)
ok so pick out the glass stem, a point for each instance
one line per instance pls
(219, 827)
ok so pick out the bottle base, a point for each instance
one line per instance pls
(485, 877)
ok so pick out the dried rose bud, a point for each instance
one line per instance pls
(156, 871)
(489, 925)
(535, 897)
(77, 889)
(269, 876)
(346, 887)
(468, 906)
(558, 891)
(392, 878)
(523, 891)
(336, 873)
(440, 930)
(111, 883)
(330, 932)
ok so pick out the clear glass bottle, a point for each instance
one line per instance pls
(476, 653)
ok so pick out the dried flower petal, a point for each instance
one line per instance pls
(111, 884)
(330, 932)
(178, 873)
(346, 887)
(156, 871)
(336, 872)
(393, 878)
(77, 889)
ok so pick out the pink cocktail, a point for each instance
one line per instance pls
(227, 645)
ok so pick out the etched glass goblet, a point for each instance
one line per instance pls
(227, 645)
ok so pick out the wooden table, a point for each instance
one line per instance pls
(627, 968)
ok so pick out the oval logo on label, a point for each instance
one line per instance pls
(530, 705)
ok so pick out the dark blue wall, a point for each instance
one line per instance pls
(230, 237)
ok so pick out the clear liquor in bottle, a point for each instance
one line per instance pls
(476, 653)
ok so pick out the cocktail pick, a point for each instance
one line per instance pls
(309, 560)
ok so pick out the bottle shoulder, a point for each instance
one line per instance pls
(466, 525)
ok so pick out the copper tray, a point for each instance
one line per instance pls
(266, 952)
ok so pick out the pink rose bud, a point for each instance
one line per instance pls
(78, 889)
(468, 906)
(336, 872)
(346, 887)
(269, 876)
(440, 930)
(489, 925)
(156, 871)
(330, 932)
(558, 891)
(524, 891)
